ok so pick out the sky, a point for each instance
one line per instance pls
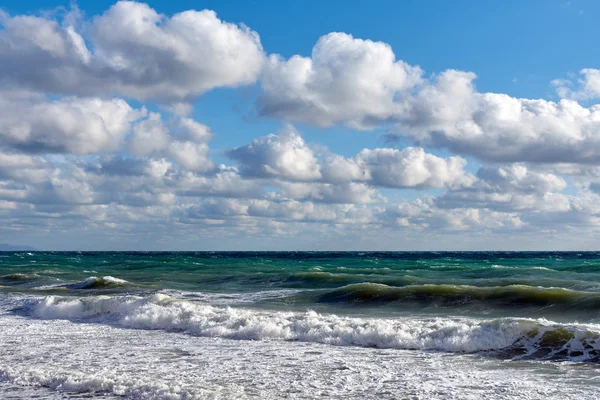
(270, 125)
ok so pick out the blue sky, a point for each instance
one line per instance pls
(493, 159)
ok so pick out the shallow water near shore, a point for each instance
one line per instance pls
(299, 325)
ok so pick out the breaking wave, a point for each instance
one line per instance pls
(104, 282)
(517, 338)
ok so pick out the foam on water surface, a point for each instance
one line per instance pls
(99, 360)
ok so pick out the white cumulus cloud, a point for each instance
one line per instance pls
(346, 80)
(130, 50)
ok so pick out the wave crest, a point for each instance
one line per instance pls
(18, 277)
(455, 295)
(326, 279)
(104, 282)
(512, 337)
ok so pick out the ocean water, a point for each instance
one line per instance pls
(300, 325)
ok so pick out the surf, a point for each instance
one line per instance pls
(515, 338)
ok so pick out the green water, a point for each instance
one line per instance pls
(554, 285)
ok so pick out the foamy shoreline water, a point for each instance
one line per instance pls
(100, 360)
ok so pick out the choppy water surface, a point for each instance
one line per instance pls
(300, 325)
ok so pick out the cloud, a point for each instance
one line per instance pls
(304, 211)
(149, 136)
(585, 88)
(344, 193)
(195, 131)
(360, 84)
(355, 82)
(508, 188)
(22, 168)
(67, 125)
(224, 182)
(131, 51)
(450, 113)
(133, 194)
(425, 215)
(190, 150)
(287, 157)
(92, 125)
(64, 191)
(192, 156)
(519, 178)
(283, 156)
(117, 166)
(410, 167)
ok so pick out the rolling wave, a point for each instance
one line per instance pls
(104, 282)
(517, 338)
(18, 277)
(329, 279)
(456, 295)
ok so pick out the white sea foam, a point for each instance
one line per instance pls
(75, 381)
(162, 312)
(84, 360)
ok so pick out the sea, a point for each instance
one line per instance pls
(300, 325)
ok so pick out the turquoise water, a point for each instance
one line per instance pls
(127, 324)
(560, 286)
